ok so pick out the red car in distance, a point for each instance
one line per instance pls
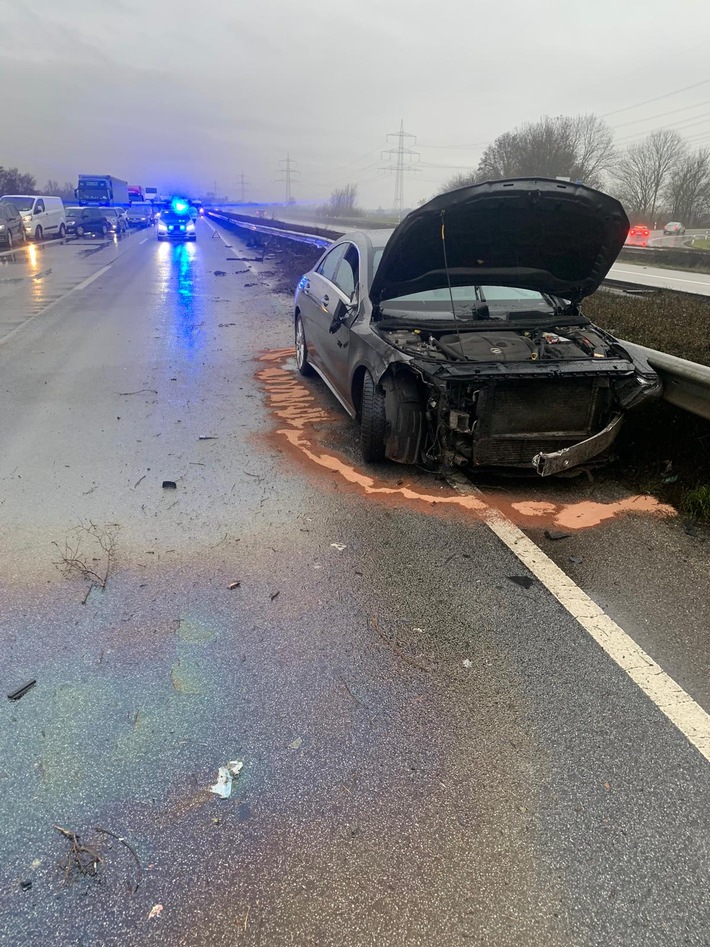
(638, 235)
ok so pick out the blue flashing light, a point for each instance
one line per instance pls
(179, 205)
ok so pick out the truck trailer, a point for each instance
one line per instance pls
(103, 190)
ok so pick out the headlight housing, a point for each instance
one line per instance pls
(162, 225)
(190, 225)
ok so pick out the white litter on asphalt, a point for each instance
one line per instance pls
(467, 663)
(338, 546)
(225, 777)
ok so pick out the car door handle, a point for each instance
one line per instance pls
(324, 301)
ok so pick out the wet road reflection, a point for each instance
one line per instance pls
(178, 278)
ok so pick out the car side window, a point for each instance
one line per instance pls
(330, 263)
(346, 276)
(39, 207)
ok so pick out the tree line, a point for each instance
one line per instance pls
(659, 177)
(14, 181)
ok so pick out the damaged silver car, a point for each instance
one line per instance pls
(458, 338)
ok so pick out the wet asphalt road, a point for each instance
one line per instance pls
(390, 794)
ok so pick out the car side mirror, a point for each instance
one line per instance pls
(342, 311)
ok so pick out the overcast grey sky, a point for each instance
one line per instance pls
(181, 93)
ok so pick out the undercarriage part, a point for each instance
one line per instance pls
(403, 410)
(559, 461)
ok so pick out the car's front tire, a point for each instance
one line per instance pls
(302, 363)
(104, 230)
(39, 234)
(10, 243)
(62, 232)
(79, 232)
(373, 422)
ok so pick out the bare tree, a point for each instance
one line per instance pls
(688, 191)
(342, 202)
(579, 147)
(593, 143)
(645, 169)
(65, 191)
(13, 181)
(500, 159)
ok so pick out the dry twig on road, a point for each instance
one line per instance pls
(89, 551)
(130, 848)
(80, 857)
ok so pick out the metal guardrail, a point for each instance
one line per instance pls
(315, 240)
(685, 384)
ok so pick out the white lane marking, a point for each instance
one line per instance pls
(670, 698)
(55, 302)
(666, 279)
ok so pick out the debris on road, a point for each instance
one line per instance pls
(169, 485)
(296, 745)
(556, 534)
(130, 848)
(26, 884)
(141, 391)
(524, 581)
(275, 595)
(575, 560)
(80, 859)
(246, 285)
(467, 663)
(139, 481)
(207, 437)
(339, 546)
(155, 911)
(233, 585)
(89, 551)
(220, 273)
(225, 776)
(397, 650)
(21, 691)
(225, 325)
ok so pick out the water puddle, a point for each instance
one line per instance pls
(299, 413)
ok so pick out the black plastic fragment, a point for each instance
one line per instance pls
(169, 485)
(21, 691)
(524, 581)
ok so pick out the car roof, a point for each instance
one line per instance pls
(376, 238)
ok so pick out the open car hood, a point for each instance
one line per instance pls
(535, 233)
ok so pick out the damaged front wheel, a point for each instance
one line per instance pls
(373, 423)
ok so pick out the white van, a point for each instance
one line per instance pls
(42, 216)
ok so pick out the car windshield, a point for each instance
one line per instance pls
(21, 203)
(73, 211)
(502, 302)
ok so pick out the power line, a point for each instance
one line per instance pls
(682, 124)
(657, 98)
(287, 175)
(637, 121)
(403, 156)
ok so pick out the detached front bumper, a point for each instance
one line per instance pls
(558, 461)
